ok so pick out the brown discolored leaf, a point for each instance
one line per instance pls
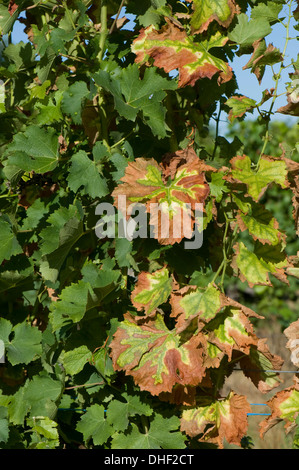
(293, 177)
(169, 193)
(213, 421)
(156, 357)
(262, 367)
(12, 7)
(171, 48)
(152, 290)
(207, 11)
(292, 333)
(284, 406)
(230, 331)
(262, 55)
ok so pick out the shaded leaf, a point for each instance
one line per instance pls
(85, 173)
(93, 425)
(162, 434)
(262, 367)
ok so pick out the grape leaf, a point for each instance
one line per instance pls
(36, 149)
(231, 330)
(38, 396)
(261, 366)
(151, 290)
(247, 31)
(133, 95)
(73, 99)
(78, 298)
(270, 170)
(284, 406)
(217, 420)
(262, 55)
(162, 434)
(165, 190)
(206, 11)
(9, 244)
(85, 173)
(239, 106)
(268, 11)
(25, 345)
(260, 223)
(155, 355)
(75, 359)
(189, 303)
(65, 228)
(171, 49)
(4, 424)
(255, 266)
(118, 412)
(93, 425)
(2, 97)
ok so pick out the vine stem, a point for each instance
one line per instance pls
(117, 16)
(104, 29)
(172, 139)
(277, 78)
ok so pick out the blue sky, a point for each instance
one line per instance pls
(248, 84)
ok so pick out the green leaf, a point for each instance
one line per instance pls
(76, 299)
(162, 434)
(45, 432)
(34, 150)
(75, 360)
(123, 253)
(38, 396)
(269, 171)
(85, 174)
(25, 345)
(9, 244)
(268, 11)
(64, 230)
(218, 186)
(260, 223)
(73, 99)
(21, 54)
(119, 412)
(255, 266)
(133, 95)
(247, 31)
(93, 425)
(4, 424)
(7, 20)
